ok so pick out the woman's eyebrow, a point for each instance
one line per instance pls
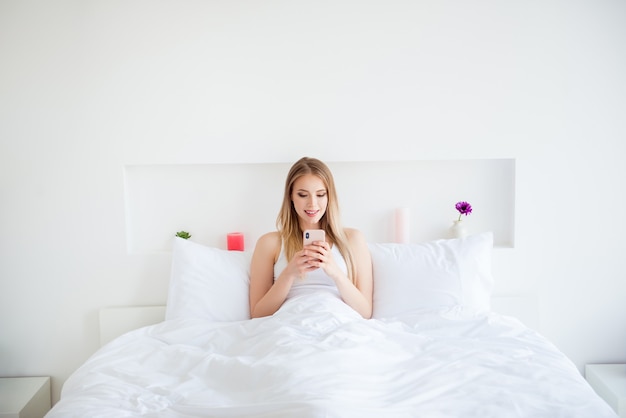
(306, 191)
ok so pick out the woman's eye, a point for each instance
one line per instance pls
(301, 195)
(321, 195)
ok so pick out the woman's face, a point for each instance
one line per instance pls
(310, 199)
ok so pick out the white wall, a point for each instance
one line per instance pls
(88, 87)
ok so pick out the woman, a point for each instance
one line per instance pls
(282, 267)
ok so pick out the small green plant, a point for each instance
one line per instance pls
(183, 235)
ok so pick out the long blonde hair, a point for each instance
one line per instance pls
(289, 226)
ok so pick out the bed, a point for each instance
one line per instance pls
(434, 348)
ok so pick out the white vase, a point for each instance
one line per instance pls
(458, 229)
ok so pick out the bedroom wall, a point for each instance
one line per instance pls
(90, 87)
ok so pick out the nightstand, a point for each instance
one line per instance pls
(609, 381)
(24, 397)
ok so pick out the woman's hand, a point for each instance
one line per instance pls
(304, 261)
(318, 255)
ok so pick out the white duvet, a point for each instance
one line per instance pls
(317, 358)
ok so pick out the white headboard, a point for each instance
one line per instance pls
(211, 200)
(120, 320)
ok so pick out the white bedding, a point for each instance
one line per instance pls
(317, 358)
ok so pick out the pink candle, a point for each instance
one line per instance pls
(235, 241)
(402, 225)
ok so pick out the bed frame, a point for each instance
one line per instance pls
(120, 320)
(116, 321)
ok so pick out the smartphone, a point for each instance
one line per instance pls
(311, 235)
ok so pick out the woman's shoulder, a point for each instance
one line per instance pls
(353, 234)
(270, 241)
(355, 237)
(270, 238)
(357, 242)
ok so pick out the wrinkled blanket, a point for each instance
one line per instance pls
(317, 358)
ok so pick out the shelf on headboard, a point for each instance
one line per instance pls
(210, 200)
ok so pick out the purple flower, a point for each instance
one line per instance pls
(464, 208)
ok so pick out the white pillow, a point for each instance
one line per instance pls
(208, 283)
(443, 273)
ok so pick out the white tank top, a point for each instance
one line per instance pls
(314, 281)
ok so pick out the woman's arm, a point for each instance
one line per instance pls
(265, 297)
(266, 294)
(358, 296)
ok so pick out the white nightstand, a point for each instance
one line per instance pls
(609, 381)
(24, 397)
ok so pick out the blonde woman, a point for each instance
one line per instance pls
(282, 267)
